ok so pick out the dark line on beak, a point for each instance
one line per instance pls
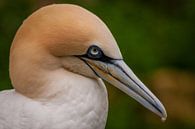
(89, 66)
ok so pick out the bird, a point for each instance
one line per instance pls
(59, 59)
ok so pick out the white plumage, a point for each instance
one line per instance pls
(76, 106)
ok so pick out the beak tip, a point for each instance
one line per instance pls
(164, 116)
(163, 119)
(161, 110)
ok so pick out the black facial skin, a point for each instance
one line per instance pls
(100, 56)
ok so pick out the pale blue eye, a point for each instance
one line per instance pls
(94, 51)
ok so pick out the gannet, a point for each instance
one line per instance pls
(58, 59)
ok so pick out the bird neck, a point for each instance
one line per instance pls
(63, 86)
(75, 96)
(60, 85)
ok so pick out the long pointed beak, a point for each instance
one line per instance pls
(120, 75)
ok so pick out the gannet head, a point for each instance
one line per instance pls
(71, 38)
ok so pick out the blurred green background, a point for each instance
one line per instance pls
(157, 40)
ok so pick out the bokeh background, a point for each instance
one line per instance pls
(157, 40)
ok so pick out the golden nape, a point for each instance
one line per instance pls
(58, 60)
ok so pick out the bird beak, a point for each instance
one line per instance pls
(120, 75)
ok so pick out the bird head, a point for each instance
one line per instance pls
(71, 38)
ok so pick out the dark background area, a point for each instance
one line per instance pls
(157, 40)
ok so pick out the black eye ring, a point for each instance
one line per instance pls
(94, 52)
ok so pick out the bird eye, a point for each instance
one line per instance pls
(94, 52)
